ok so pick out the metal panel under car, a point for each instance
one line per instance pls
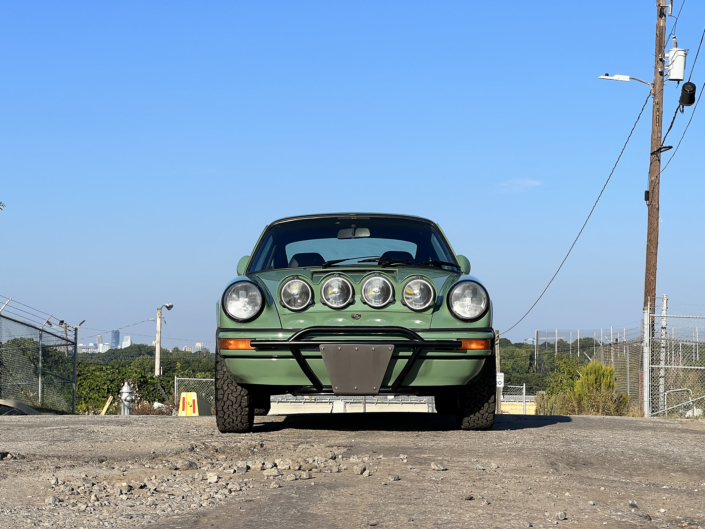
(356, 369)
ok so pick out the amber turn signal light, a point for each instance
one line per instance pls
(235, 343)
(474, 344)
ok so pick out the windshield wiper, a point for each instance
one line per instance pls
(336, 261)
(435, 262)
(386, 261)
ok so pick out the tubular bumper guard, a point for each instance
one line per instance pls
(417, 343)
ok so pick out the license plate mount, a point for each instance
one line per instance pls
(356, 369)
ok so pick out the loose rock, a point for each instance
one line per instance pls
(438, 466)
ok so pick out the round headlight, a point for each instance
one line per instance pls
(296, 294)
(377, 291)
(336, 292)
(468, 300)
(419, 294)
(242, 301)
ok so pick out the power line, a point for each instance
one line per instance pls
(588, 217)
(675, 24)
(695, 107)
(696, 56)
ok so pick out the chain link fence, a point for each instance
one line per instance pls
(38, 365)
(677, 361)
(620, 348)
(204, 387)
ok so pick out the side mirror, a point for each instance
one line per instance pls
(464, 264)
(242, 265)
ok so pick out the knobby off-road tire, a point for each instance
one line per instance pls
(477, 399)
(234, 405)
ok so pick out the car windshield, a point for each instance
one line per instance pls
(345, 241)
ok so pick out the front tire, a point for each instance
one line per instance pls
(234, 405)
(477, 400)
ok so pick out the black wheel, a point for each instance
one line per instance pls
(234, 406)
(477, 399)
(446, 403)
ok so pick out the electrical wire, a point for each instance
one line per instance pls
(671, 125)
(588, 217)
(675, 24)
(684, 130)
(657, 180)
(696, 56)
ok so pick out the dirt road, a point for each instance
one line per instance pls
(351, 471)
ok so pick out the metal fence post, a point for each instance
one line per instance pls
(523, 398)
(646, 362)
(498, 390)
(536, 352)
(39, 369)
(662, 358)
(75, 367)
(176, 389)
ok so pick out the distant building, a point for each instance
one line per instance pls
(103, 347)
(126, 341)
(114, 339)
(99, 340)
(89, 348)
(188, 348)
(199, 347)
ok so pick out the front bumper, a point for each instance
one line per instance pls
(297, 362)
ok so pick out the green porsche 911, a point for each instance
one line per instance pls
(354, 304)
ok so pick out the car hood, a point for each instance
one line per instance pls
(357, 313)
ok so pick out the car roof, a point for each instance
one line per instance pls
(352, 216)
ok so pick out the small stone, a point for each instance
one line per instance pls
(494, 465)
(359, 469)
(644, 516)
(212, 477)
(561, 516)
(94, 498)
(438, 466)
(272, 472)
(591, 502)
(662, 510)
(54, 480)
(186, 465)
(234, 486)
(275, 485)
(394, 477)
(241, 469)
(469, 497)
(527, 524)
(51, 500)
(367, 473)
(305, 474)
(479, 466)
(633, 504)
(290, 477)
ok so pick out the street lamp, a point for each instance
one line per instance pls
(158, 342)
(624, 78)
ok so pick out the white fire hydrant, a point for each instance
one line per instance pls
(128, 397)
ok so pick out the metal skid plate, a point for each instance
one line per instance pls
(356, 369)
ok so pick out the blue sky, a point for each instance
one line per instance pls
(144, 146)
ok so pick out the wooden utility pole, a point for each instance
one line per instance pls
(655, 163)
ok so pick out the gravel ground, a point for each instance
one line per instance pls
(351, 471)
